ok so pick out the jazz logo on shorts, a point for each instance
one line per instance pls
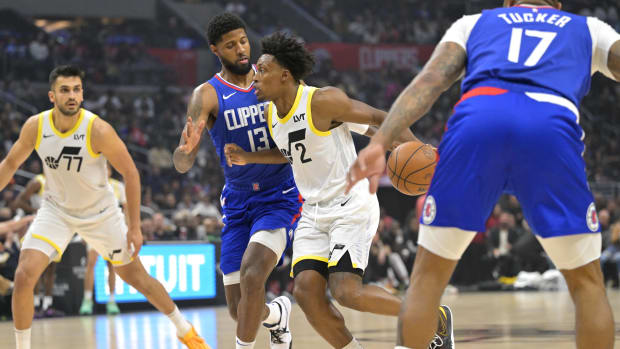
(592, 218)
(429, 210)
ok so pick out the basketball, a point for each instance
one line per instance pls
(411, 166)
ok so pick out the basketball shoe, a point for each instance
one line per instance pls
(280, 334)
(193, 341)
(444, 337)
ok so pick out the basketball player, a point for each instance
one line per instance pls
(74, 145)
(91, 255)
(515, 129)
(311, 128)
(260, 203)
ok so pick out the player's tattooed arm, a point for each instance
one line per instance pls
(443, 69)
(613, 60)
(202, 105)
(20, 151)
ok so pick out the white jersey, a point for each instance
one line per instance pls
(76, 177)
(320, 160)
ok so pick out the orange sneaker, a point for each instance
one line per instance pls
(193, 341)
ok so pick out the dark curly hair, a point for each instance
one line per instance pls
(222, 24)
(290, 52)
(66, 71)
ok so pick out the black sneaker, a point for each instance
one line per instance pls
(444, 338)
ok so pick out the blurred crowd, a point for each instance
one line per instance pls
(186, 207)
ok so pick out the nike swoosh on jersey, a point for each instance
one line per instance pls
(287, 190)
(230, 95)
(344, 203)
(47, 136)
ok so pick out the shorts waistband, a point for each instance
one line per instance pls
(537, 96)
(261, 185)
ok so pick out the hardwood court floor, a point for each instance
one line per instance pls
(482, 320)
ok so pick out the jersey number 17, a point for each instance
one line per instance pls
(515, 45)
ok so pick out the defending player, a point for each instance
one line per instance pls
(260, 203)
(74, 144)
(311, 128)
(516, 129)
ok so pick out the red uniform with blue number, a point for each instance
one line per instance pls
(516, 128)
(256, 196)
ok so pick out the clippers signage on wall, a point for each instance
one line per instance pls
(371, 57)
(185, 271)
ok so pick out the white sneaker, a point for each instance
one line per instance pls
(280, 334)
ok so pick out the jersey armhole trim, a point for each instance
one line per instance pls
(39, 132)
(88, 137)
(310, 121)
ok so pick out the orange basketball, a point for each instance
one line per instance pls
(411, 166)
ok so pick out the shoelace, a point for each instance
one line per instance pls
(436, 343)
(276, 336)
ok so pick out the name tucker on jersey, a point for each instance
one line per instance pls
(241, 117)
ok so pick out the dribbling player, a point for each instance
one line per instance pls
(516, 129)
(311, 127)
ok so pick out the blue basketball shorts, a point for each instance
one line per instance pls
(246, 212)
(526, 144)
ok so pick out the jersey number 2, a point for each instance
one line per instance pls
(515, 45)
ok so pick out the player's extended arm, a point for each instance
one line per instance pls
(440, 72)
(20, 151)
(23, 199)
(613, 60)
(106, 141)
(235, 155)
(331, 104)
(202, 104)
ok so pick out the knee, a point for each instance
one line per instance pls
(253, 278)
(24, 279)
(347, 297)
(308, 295)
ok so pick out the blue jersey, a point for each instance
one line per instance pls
(525, 49)
(241, 120)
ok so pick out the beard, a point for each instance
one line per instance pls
(68, 112)
(237, 69)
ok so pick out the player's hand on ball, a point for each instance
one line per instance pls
(191, 135)
(134, 241)
(370, 164)
(235, 155)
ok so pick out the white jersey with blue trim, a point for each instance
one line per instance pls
(533, 49)
(76, 177)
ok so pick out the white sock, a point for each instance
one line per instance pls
(353, 345)
(22, 338)
(274, 314)
(88, 295)
(183, 326)
(47, 302)
(244, 345)
(111, 298)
